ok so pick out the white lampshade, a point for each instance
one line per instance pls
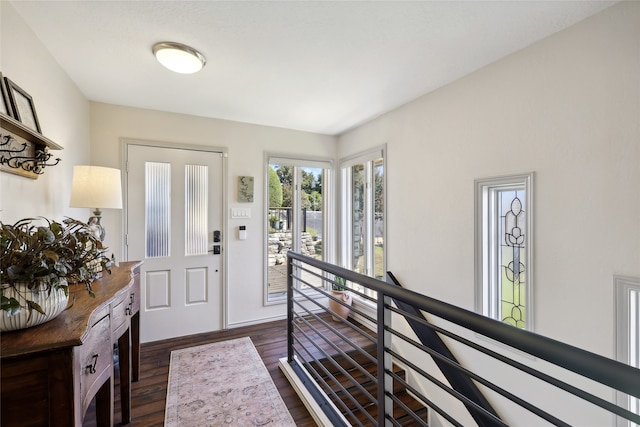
(178, 57)
(96, 187)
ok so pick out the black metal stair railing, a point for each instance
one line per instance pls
(334, 358)
(443, 358)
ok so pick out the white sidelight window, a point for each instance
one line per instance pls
(627, 335)
(298, 218)
(503, 246)
(363, 213)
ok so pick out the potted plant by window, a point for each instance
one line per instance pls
(37, 262)
(275, 222)
(340, 292)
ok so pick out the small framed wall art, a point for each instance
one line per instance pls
(22, 106)
(245, 189)
(5, 105)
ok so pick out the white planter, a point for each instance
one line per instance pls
(52, 304)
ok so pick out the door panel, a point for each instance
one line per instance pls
(157, 289)
(174, 205)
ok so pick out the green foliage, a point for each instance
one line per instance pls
(287, 195)
(339, 284)
(378, 180)
(315, 200)
(275, 189)
(285, 174)
(10, 305)
(304, 201)
(43, 255)
(311, 186)
(308, 180)
(84, 253)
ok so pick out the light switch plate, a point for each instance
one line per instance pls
(240, 213)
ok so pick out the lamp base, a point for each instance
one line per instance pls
(95, 225)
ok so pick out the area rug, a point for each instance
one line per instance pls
(222, 384)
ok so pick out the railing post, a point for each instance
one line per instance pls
(385, 382)
(304, 219)
(289, 309)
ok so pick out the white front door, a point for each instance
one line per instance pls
(174, 223)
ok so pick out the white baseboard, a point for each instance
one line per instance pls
(309, 402)
(252, 322)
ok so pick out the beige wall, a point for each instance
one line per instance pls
(63, 113)
(246, 145)
(567, 108)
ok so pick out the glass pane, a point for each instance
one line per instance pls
(279, 227)
(311, 202)
(286, 184)
(358, 263)
(157, 209)
(378, 218)
(512, 255)
(195, 210)
(311, 219)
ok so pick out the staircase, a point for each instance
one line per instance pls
(568, 373)
(361, 386)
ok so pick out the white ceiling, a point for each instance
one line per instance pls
(317, 66)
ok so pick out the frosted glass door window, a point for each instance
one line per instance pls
(195, 209)
(157, 209)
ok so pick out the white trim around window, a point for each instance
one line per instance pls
(627, 333)
(493, 265)
(371, 224)
(328, 223)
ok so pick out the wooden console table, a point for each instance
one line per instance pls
(51, 372)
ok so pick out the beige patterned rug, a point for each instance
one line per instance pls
(222, 384)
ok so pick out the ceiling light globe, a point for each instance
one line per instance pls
(178, 57)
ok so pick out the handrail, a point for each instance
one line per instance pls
(607, 372)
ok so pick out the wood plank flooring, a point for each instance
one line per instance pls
(149, 393)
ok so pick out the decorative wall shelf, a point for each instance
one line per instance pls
(23, 151)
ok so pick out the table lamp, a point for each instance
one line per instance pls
(99, 188)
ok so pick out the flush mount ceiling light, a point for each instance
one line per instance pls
(179, 57)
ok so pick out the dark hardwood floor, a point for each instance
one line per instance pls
(149, 393)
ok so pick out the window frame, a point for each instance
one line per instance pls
(627, 322)
(367, 158)
(297, 163)
(487, 294)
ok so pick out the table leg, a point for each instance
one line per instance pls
(104, 405)
(135, 346)
(124, 361)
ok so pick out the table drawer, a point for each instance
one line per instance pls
(95, 357)
(119, 313)
(135, 294)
